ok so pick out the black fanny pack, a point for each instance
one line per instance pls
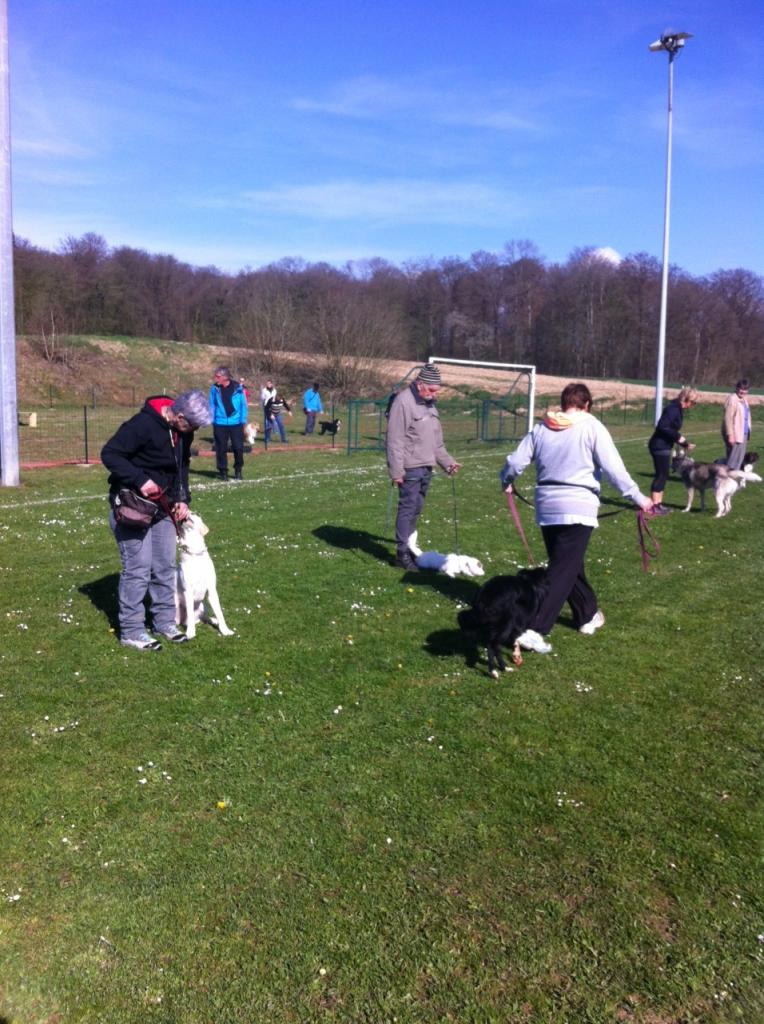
(133, 510)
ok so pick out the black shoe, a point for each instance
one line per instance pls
(406, 561)
(223, 476)
(661, 510)
(238, 476)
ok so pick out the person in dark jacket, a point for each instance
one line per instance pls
(150, 454)
(228, 408)
(667, 433)
(275, 408)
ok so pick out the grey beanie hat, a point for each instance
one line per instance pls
(430, 374)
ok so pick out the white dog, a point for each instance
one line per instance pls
(452, 565)
(196, 580)
(250, 433)
(725, 487)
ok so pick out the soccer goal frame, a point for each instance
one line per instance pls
(521, 370)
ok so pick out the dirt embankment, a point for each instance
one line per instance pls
(119, 371)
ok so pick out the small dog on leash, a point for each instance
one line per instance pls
(196, 580)
(329, 427)
(452, 565)
(702, 475)
(503, 609)
(250, 433)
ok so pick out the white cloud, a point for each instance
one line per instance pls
(395, 201)
(50, 147)
(369, 97)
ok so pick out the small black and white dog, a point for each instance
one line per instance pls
(329, 427)
(503, 609)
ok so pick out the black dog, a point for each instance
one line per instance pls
(330, 427)
(503, 609)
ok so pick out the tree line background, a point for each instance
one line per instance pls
(588, 317)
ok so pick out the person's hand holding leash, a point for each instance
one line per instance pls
(454, 468)
(180, 511)
(150, 490)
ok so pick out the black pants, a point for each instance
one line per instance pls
(223, 435)
(566, 547)
(662, 464)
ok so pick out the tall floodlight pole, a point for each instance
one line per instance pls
(671, 43)
(9, 421)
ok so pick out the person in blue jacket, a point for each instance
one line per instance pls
(228, 407)
(311, 406)
(667, 433)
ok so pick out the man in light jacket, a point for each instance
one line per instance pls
(736, 425)
(414, 447)
(228, 407)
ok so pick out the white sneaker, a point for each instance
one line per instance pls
(596, 623)
(530, 640)
(143, 642)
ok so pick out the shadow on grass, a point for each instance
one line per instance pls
(355, 540)
(449, 643)
(103, 594)
(456, 589)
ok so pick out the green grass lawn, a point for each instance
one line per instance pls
(335, 815)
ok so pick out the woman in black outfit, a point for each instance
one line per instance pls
(667, 433)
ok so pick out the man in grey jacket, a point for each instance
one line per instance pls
(414, 447)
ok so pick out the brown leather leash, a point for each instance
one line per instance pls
(165, 506)
(518, 525)
(643, 531)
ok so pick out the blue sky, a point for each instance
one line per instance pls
(235, 133)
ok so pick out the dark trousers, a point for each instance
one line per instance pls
(662, 464)
(310, 422)
(223, 435)
(411, 495)
(566, 549)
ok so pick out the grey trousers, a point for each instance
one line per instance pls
(148, 567)
(411, 495)
(735, 454)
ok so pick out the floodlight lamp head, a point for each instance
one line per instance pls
(671, 42)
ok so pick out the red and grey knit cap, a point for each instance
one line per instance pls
(430, 374)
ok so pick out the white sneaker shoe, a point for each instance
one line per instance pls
(530, 640)
(143, 642)
(596, 623)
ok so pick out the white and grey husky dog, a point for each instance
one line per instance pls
(701, 475)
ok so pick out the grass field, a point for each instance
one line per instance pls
(334, 815)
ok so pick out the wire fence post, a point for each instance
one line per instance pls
(85, 425)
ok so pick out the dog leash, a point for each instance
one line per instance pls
(518, 525)
(165, 506)
(388, 516)
(456, 517)
(643, 531)
(604, 515)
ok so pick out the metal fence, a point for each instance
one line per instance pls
(66, 434)
(490, 421)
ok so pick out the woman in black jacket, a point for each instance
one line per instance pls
(150, 455)
(667, 433)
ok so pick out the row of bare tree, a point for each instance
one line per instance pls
(588, 317)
